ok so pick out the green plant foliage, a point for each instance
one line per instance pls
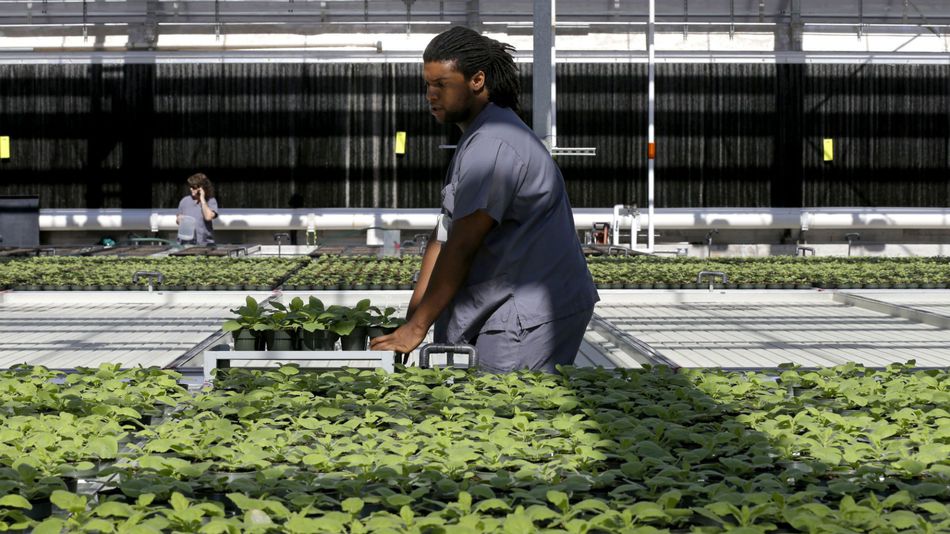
(370, 272)
(348, 272)
(775, 271)
(846, 449)
(309, 316)
(116, 273)
(357, 272)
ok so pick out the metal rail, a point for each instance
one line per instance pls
(639, 350)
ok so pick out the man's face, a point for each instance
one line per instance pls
(451, 97)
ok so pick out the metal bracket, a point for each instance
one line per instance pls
(617, 250)
(450, 351)
(151, 275)
(851, 237)
(279, 236)
(712, 275)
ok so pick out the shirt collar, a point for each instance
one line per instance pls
(480, 119)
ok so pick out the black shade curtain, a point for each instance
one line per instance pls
(277, 135)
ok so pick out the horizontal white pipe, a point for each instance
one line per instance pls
(240, 219)
(424, 219)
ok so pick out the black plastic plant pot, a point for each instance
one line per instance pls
(244, 339)
(42, 508)
(356, 340)
(375, 331)
(71, 481)
(317, 340)
(328, 340)
(281, 340)
(308, 340)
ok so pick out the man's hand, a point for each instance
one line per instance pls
(405, 339)
(452, 262)
(201, 195)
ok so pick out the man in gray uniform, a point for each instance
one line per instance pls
(506, 271)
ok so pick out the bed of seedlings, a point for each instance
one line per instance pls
(356, 272)
(845, 449)
(775, 272)
(335, 273)
(187, 273)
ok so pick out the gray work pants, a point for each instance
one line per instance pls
(538, 348)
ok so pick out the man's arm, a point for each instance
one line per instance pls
(428, 262)
(449, 272)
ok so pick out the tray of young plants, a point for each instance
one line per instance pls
(59, 431)
(643, 272)
(843, 450)
(308, 325)
(355, 272)
(186, 273)
(775, 272)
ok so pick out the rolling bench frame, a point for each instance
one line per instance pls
(221, 359)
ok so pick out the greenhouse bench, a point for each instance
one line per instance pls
(221, 359)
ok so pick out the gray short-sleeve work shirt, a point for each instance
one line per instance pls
(530, 269)
(204, 232)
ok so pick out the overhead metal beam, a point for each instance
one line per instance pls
(470, 12)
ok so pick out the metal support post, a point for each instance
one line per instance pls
(543, 80)
(651, 117)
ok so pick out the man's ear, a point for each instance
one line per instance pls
(477, 82)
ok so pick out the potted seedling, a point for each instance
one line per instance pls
(315, 321)
(279, 328)
(33, 486)
(351, 324)
(247, 328)
(383, 323)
